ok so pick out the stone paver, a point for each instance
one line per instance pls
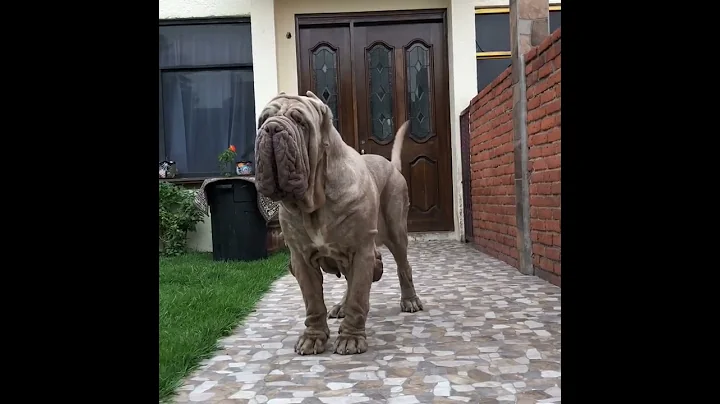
(488, 335)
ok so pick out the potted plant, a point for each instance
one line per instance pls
(226, 159)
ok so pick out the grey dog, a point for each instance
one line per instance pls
(336, 208)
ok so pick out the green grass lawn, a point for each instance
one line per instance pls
(202, 300)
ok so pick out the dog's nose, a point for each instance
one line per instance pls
(273, 127)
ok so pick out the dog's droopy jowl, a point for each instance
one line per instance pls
(336, 208)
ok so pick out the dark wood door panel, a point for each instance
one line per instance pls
(387, 72)
(326, 70)
(402, 77)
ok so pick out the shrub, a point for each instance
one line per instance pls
(178, 216)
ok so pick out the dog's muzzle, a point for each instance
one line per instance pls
(281, 160)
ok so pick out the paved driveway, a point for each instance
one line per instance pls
(488, 335)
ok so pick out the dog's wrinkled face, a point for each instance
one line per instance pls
(289, 150)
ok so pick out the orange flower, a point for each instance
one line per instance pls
(232, 148)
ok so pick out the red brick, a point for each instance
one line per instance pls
(541, 200)
(545, 70)
(539, 165)
(538, 62)
(541, 87)
(548, 95)
(531, 79)
(556, 212)
(556, 240)
(551, 53)
(537, 113)
(553, 106)
(553, 161)
(544, 189)
(533, 103)
(547, 122)
(543, 213)
(530, 55)
(555, 77)
(553, 225)
(556, 268)
(534, 127)
(537, 224)
(555, 36)
(551, 175)
(537, 176)
(552, 253)
(553, 134)
(546, 264)
(546, 239)
(538, 249)
(556, 188)
(535, 152)
(548, 150)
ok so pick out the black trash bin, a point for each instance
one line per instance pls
(239, 231)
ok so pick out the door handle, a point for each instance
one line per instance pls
(362, 151)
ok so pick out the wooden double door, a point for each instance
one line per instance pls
(375, 71)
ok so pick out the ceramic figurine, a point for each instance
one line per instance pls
(244, 168)
(168, 169)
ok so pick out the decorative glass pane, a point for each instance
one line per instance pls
(418, 85)
(380, 84)
(326, 78)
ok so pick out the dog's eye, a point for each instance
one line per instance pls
(297, 117)
(262, 120)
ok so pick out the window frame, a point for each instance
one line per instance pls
(195, 181)
(500, 10)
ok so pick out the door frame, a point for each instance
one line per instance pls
(376, 17)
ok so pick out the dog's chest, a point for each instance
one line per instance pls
(317, 237)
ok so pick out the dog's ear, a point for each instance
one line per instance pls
(326, 115)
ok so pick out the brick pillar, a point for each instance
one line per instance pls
(528, 27)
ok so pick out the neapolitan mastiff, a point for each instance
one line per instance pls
(336, 208)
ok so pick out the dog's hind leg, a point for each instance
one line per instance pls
(337, 311)
(352, 338)
(409, 301)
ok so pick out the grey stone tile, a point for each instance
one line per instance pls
(488, 334)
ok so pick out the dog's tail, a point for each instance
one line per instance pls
(397, 146)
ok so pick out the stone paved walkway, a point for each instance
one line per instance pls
(488, 335)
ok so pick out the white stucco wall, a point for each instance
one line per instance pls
(275, 61)
(203, 8)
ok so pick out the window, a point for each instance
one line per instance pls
(207, 99)
(492, 41)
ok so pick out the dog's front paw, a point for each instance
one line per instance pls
(311, 344)
(350, 345)
(337, 312)
(411, 305)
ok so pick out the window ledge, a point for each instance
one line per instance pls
(188, 181)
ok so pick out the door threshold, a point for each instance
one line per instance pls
(431, 236)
